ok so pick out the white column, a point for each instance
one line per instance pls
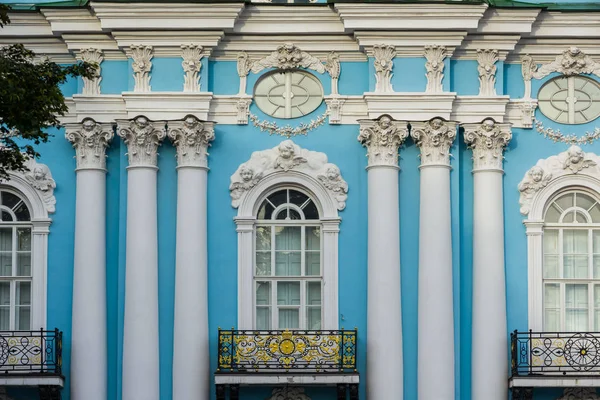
(191, 373)
(88, 341)
(140, 331)
(436, 311)
(382, 138)
(490, 372)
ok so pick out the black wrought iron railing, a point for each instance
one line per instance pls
(555, 353)
(297, 351)
(31, 352)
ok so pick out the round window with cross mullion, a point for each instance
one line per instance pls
(570, 99)
(288, 94)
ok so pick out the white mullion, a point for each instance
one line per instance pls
(13, 288)
(563, 307)
(302, 251)
(288, 96)
(560, 254)
(590, 307)
(590, 254)
(571, 96)
(275, 305)
(302, 313)
(272, 269)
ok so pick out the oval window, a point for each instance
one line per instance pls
(570, 99)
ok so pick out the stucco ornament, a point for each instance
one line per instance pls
(434, 66)
(288, 393)
(91, 87)
(528, 68)
(142, 138)
(287, 130)
(332, 66)
(244, 65)
(384, 63)
(142, 56)
(434, 138)
(90, 140)
(288, 156)
(288, 56)
(242, 107)
(192, 56)
(488, 141)
(574, 161)
(579, 394)
(569, 138)
(382, 138)
(334, 109)
(487, 58)
(191, 137)
(40, 178)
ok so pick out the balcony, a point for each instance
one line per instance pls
(32, 358)
(282, 358)
(554, 359)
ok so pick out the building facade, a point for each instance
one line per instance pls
(308, 201)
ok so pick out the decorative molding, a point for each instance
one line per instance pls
(192, 56)
(244, 65)
(384, 63)
(487, 58)
(243, 110)
(521, 112)
(291, 392)
(569, 138)
(382, 138)
(571, 162)
(434, 138)
(332, 66)
(579, 393)
(474, 109)
(142, 138)
(488, 141)
(334, 109)
(90, 140)
(38, 177)
(159, 106)
(191, 137)
(409, 106)
(528, 67)
(288, 156)
(288, 131)
(91, 87)
(434, 66)
(142, 64)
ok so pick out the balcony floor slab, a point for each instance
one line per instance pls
(554, 381)
(34, 380)
(285, 379)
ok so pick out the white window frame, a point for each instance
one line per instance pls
(246, 221)
(534, 226)
(40, 228)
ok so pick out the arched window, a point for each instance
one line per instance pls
(287, 268)
(15, 262)
(571, 263)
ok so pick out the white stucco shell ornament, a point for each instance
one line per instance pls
(573, 162)
(286, 157)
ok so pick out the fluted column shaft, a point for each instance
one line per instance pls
(436, 307)
(382, 138)
(191, 373)
(89, 363)
(488, 141)
(140, 331)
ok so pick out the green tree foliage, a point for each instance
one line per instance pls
(30, 100)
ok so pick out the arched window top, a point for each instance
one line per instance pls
(288, 204)
(13, 208)
(573, 207)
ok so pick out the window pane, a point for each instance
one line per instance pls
(597, 321)
(293, 214)
(566, 201)
(282, 214)
(287, 238)
(576, 320)
(596, 241)
(575, 241)
(584, 201)
(5, 264)
(576, 296)
(311, 211)
(289, 318)
(313, 293)
(288, 293)
(551, 295)
(9, 200)
(24, 239)
(265, 211)
(24, 264)
(287, 263)
(22, 213)
(4, 318)
(313, 317)
(575, 267)
(596, 267)
(596, 296)
(595, 213)
(23, 294)
(552, 215)
(551, 320)
(313, 263)
(580, 218)
(278, 198)
(23, 318)
(313, 238)
(6, 217)
(263, 318)
(297, 198)
(263, 263)
(263, 293)
(6, 239)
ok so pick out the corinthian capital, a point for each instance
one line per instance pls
(192, 138)
(90, 140)
(434, 138)
(382, 138)
(142, 138)
(488, 141)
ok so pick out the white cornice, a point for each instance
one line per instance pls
(410, 16)
(503, 43)
(567, 24)
(103, 42)
(288, 20)
(258, 46)
(71, 20)
(507, 20)
(410, 106)
(168, 43)
(51, 47)
(474, 109)
(410, 43)
(157, 16)
(167, 105)
(546, 50)
(26, 24)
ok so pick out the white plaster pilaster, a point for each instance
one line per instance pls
(332, 66)
(434, 66)
(91, 87)
(89, 363)
(142, 65)
(192, 63)
(436, 312)
(384, 63)
(488, 141)
(486, 60)
(140, 331)
(191, 372)
(382, 138)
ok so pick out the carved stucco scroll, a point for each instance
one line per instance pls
(288, 156)
(434, 66)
